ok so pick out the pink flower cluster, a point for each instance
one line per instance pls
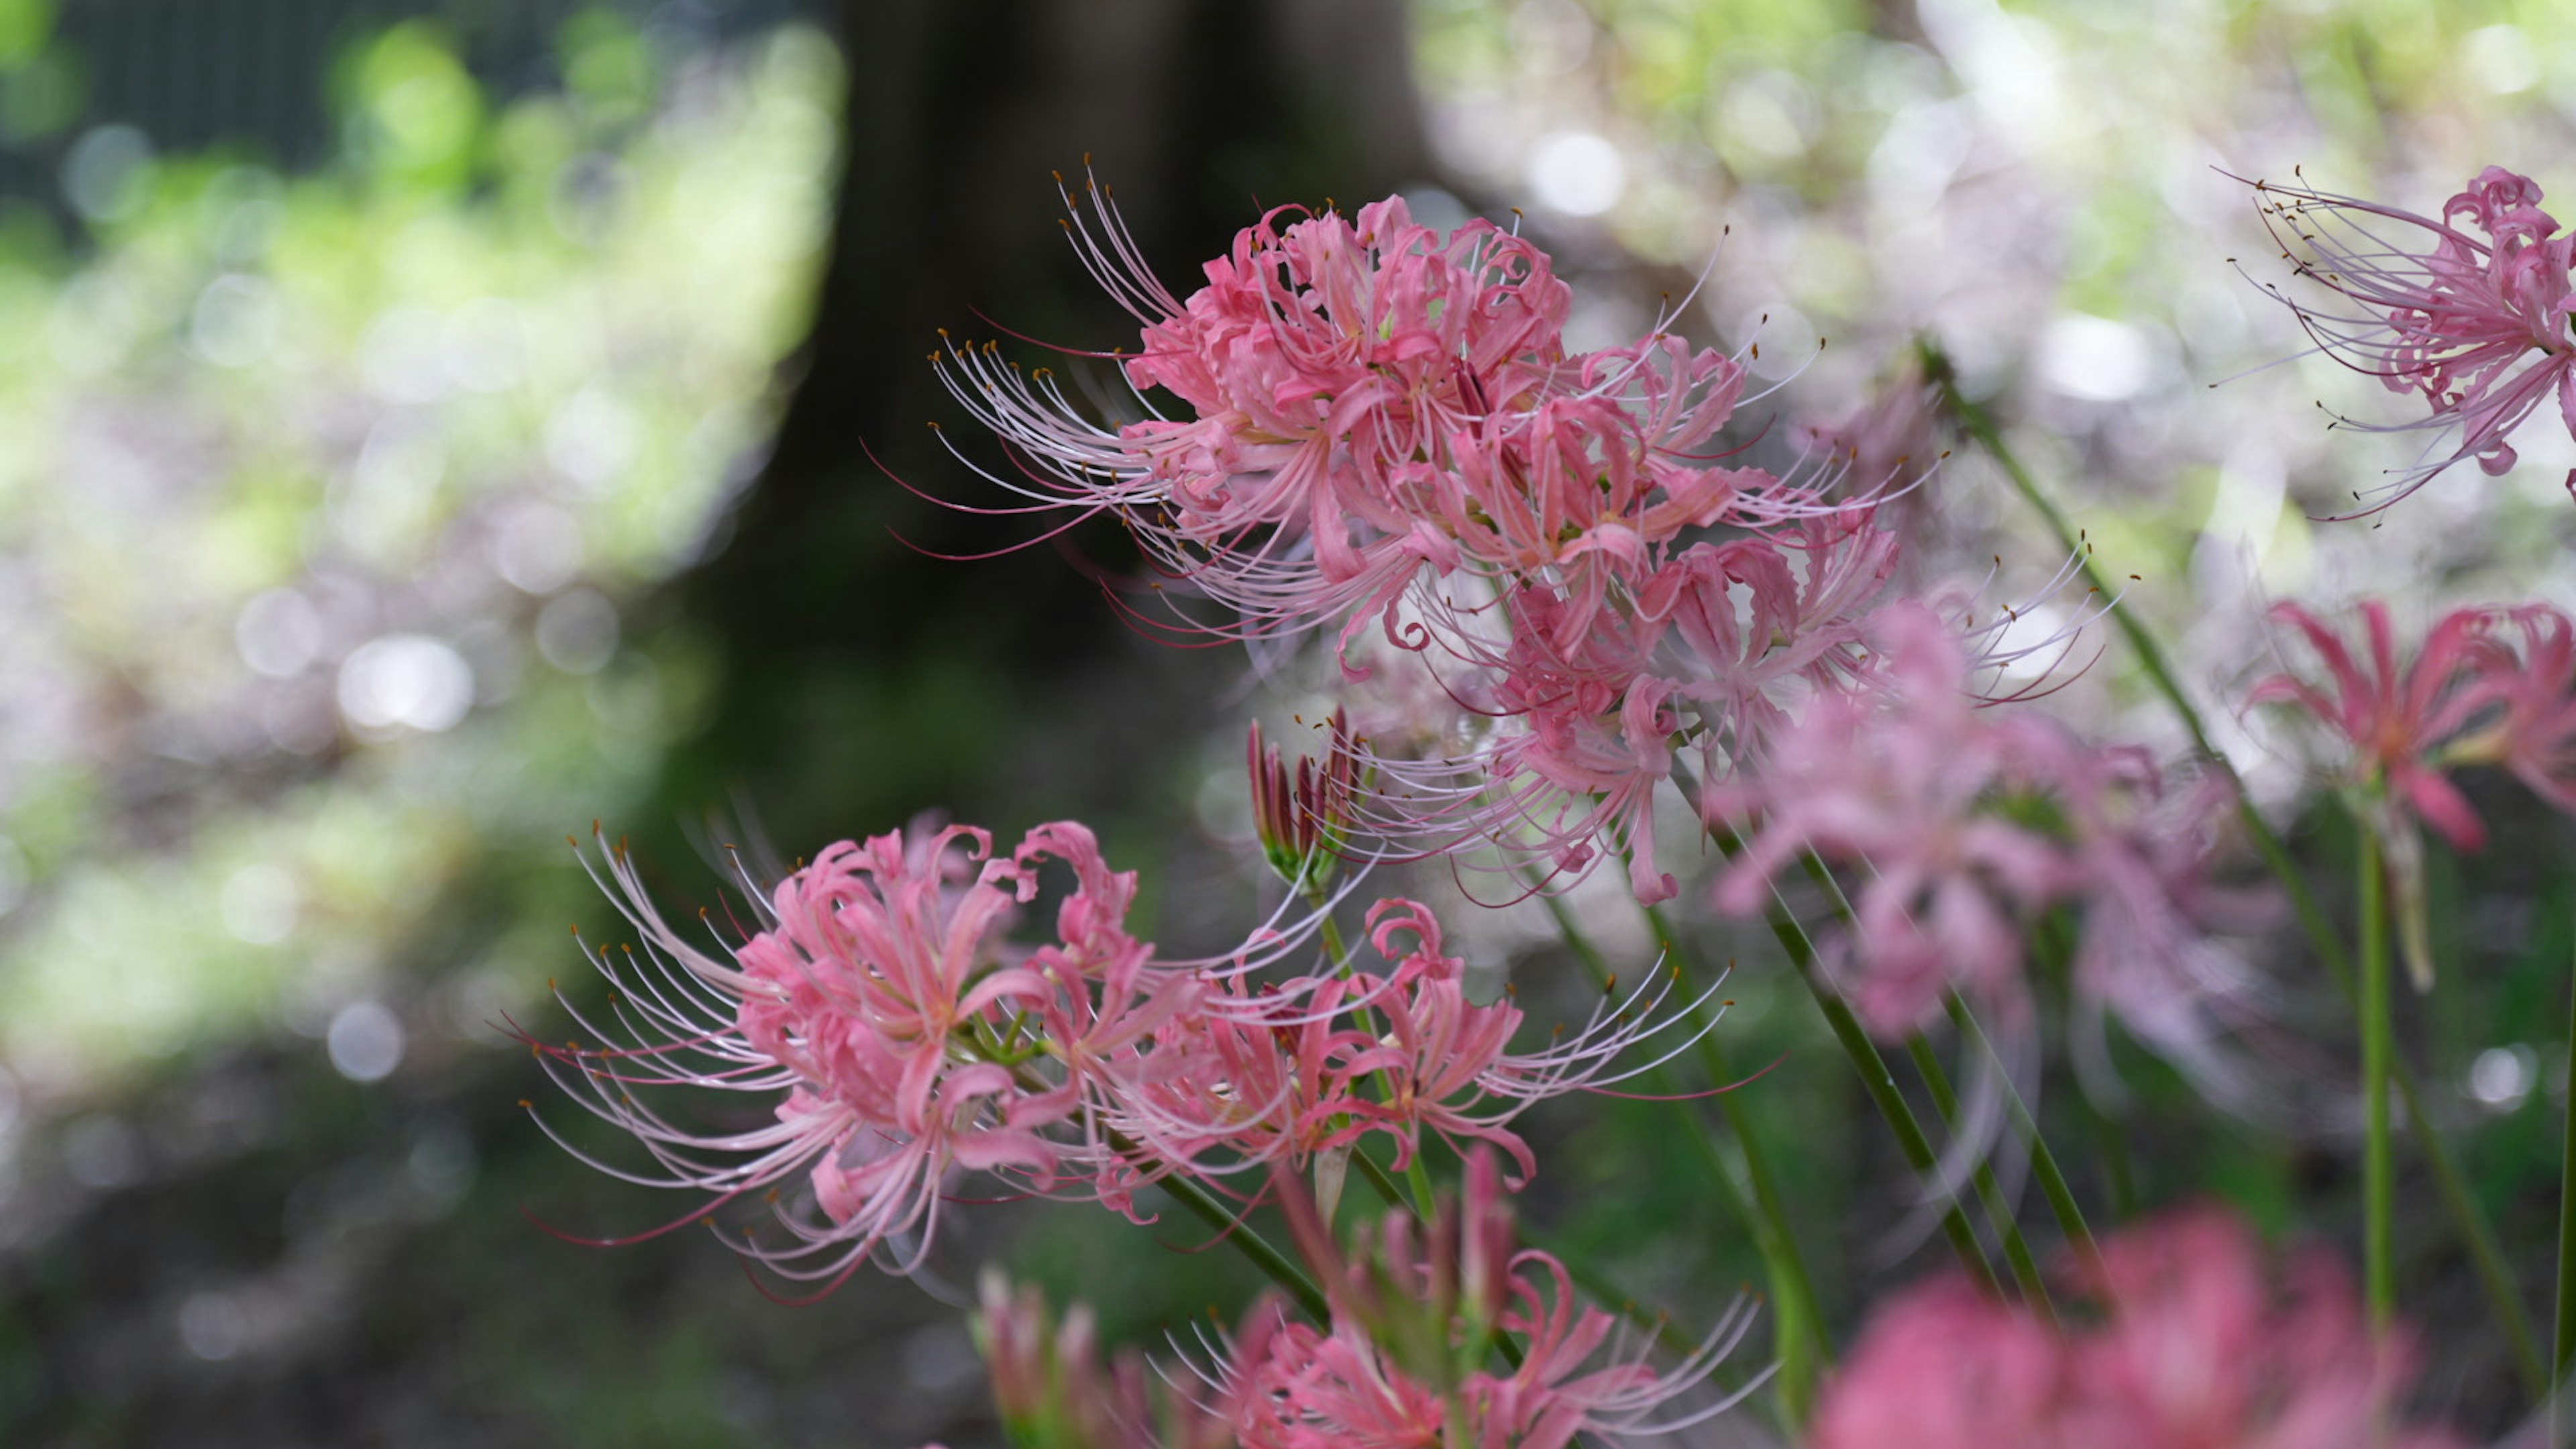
(903, 1040)
(1413, 1354)
(2468, 310)
(2196, 1348)
(1965, 824)
(1384, 428)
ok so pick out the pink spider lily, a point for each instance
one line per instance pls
(2198, 1347)
(1322, 356)
(1313, 1065)
(2471, 317)
(1444, 1064)
(1410, 1356)
(1755, 624)
(903, 1041)
(2403, 722)
(1372, 403)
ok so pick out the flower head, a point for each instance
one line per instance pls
(2468, 311)
(1410, 1355)
(891, 1027)
(2399, 719)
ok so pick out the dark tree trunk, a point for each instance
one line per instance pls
(840, 640)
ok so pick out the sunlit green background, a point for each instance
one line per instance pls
(376, 379)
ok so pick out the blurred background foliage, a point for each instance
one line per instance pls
(426, 427)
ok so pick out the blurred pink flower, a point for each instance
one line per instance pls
(2197, 1347)
(2477, 326)
(2537, 736)
(1963, 821)
(1053, 1389)
(1900, 777)
(2402, 720)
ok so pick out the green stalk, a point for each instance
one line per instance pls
(2485, 1256)
(2052, 1180)
(1799, 1326)
(1999, 1211)
(1251, 1245)
(2378, 1170)
(1879, 1082)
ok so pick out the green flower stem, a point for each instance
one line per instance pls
(1799, 1327)
(1999, 1209)
(2043, 1163)
(2378, 1168)
(2113, 1145)
(1251, 1245)
(1879, 1082)
(2466, 1217)
(2061, 1199)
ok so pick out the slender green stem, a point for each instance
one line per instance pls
(2119, 1179)
(1878, 1081)
(2043, 1163)
(2485, 1256)
(2378, 1168)
(1251, 1245)
(1798, 1320)
(1999, 1208)
(2052, 1180)
(1806, 1349)
(2564, 1348)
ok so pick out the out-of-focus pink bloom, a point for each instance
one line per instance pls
(2537, 736)
(1889, 443)
(2398, 717)
(2197, 1348)
(1962, 822)
(2153, 913)
(1053, 1390)
(1946, 1365)
(2204, 1348)
(1900, 777)
(2476, 325)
